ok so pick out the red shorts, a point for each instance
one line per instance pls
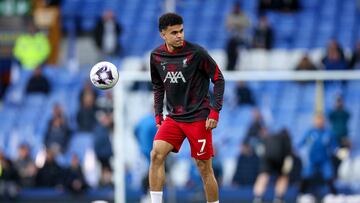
(175, 132)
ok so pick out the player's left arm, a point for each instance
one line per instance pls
(212, 70)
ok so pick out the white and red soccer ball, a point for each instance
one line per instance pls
(104, 75)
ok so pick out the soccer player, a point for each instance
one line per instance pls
(183, 70)
(276, 160)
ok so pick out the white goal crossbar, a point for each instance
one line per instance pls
(129, 76)
(271, 75)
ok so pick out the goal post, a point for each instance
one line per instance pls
(121, 95)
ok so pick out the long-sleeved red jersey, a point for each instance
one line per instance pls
(184, 75)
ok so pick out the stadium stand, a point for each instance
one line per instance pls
(283, 104)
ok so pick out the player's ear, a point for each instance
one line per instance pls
(162, 34)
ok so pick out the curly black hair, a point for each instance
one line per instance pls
(169, 19)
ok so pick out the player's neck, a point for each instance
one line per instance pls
(172, 49)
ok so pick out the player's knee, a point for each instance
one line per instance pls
(157, 157)
(204, 168)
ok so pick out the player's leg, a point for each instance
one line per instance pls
(157, 165)
(262, 179)
(157, 169)
(168, 138)
(284, 167)
(281, 187)
(260, 186)
(202, 151)
(208, 178)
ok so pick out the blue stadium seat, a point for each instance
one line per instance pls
(80, 143)
(34, 100)
(70, 8)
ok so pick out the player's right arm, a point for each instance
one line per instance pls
(159, 92)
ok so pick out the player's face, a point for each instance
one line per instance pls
(173, 36)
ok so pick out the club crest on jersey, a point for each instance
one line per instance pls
(184, 63)
(174, 77)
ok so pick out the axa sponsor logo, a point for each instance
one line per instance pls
(174, 77)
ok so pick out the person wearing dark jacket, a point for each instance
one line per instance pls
(276, 160)
(339, 118)
(107, 33)
(38, 83)
(9, 179)
(74, 178)
(247, 167)
(51, 174)
(263, 36)
(86, 118)
(57, 135)
(244, 94)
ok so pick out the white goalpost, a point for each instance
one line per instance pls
(121, 92)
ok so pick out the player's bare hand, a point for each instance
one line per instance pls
(157, 125)
(210, 124)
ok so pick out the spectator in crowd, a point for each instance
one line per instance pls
(355, 59)
(244, 94)
(334, 58)
(53, 2)
(25, 166)
(86, 116)
(237, 23)
(58, 112)
(305, 64)
(232, 53)
(9, 179)
(278, 5)
(58, 134)
(247, 167)
(256, 131)
(145, 131)
(51, 174)
(263, 36)
(38, 83)
(32, 48)
(107, 34)
(265, 5)
(276, 160)
(88, 88)
(320, 146)
(102, 142)
(286, 5)
(74, 177)
(339, 118)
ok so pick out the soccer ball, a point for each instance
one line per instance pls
(104, 75)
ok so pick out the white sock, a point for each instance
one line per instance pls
(156, 197)
(214, 202)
